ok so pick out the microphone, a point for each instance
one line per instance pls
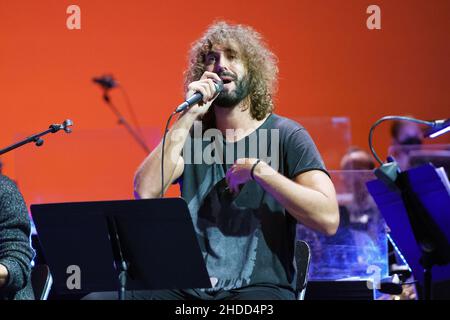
(106, 82)
(197, 97)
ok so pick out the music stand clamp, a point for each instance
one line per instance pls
(419, 201)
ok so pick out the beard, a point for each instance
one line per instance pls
(229, 99)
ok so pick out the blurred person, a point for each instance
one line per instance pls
(16, 252)
(406, 136)
(362, 207)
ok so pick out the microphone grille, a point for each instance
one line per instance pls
(219, 86)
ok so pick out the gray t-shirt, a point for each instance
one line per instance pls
(248, 238)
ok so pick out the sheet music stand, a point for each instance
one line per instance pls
(121, 245)
(418, 214)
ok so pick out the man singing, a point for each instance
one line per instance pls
(247, 174)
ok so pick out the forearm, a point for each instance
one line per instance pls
(147, 182)
(311, 207)
(3, 275)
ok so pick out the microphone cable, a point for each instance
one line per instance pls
(166, 130)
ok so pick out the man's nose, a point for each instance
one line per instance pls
(221, 64)
(218, 69)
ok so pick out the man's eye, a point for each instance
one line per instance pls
(210, 59)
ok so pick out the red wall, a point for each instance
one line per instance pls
(330, 65)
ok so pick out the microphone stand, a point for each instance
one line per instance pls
(123, 121)
(36, 138)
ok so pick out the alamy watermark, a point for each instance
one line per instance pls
(262, 144)
(73, 21)
(74, 279)
(374, 281)
(374, 20)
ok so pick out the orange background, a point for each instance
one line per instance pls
(330, 65)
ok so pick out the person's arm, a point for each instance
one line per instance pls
(15, 228)
(147, 181)
(310, 197)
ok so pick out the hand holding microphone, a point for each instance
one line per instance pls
(202, 92)
(200, 95)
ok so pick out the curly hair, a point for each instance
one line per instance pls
(261, 63)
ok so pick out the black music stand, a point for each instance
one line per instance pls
(418, 214)
(121, 245)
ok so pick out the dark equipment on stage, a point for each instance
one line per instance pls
(339, 290)
(416, 206)
(302, 259)
(37, 138)
(41, 281)
(107, 82)
(122, 245)
(419, 216)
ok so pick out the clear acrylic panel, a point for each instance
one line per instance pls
(332, 136)
(410, 156)
(359, 248)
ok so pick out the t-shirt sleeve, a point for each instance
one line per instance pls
(301, 154)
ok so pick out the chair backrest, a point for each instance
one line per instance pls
(302, 259)
(41, 280)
